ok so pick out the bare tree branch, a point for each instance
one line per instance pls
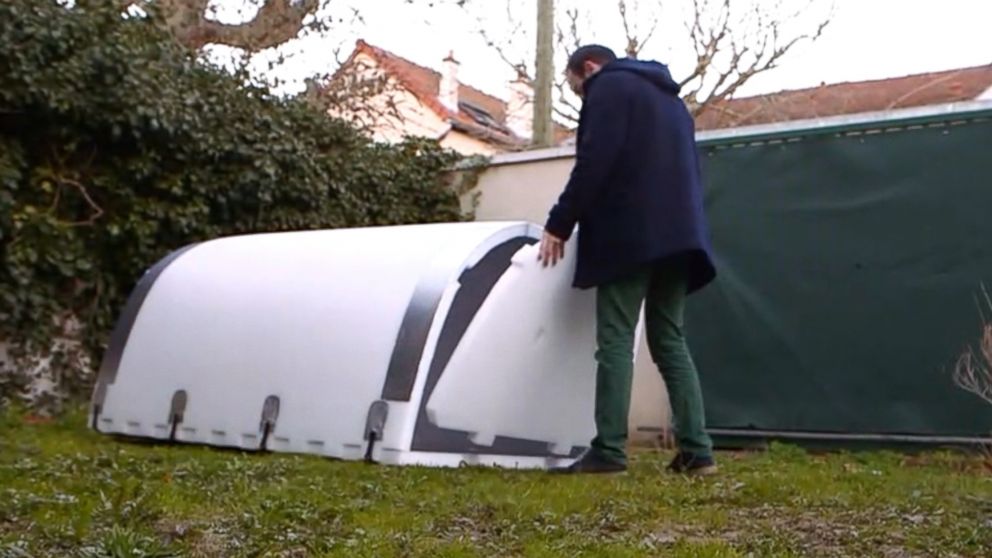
(518, 62)
(506, 44)
(706, 43)
(566, 108)
(732, 42)
(734, 50)
(973, 372)
(932, 83)
(276, 22)
(519, 66)
(97, 211)
(57, 180)
(631, 48)
(643, 42)
(635, 43)
(569, 38)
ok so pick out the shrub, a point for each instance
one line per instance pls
(117, 146)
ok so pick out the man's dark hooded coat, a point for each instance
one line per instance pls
(635, 191)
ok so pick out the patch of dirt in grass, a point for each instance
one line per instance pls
(883, 531)
(977, 463)
(672, 535)
(198, 539)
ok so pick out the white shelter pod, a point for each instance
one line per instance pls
(396, 344)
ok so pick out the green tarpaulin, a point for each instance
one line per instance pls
(849, 262)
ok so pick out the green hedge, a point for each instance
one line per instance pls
(117, 146)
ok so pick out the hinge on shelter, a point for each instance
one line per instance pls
(375, 424)
(270, 412)
(97, 408)
(177, 410)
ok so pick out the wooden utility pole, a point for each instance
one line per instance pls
(544, 74)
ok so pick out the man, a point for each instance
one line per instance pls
(636, 196)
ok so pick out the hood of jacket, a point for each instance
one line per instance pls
(654, 72)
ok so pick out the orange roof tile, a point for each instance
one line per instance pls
(964, 84)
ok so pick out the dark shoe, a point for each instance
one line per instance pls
(591, 462)
(688, 463)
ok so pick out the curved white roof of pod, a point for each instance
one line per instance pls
(443, 343)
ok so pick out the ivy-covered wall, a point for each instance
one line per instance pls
(117, 146)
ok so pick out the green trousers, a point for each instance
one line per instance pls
(661, 288)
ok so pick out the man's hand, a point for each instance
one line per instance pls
(552, 250)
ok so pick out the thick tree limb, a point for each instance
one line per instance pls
(276, 22)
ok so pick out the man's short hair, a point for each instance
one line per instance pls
(589, 53)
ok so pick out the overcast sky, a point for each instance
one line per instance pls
(866, 39)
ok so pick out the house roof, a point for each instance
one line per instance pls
(963, 84)
(425, 84)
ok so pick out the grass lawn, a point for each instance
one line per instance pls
(65, 491)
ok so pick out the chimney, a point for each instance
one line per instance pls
(520, 108)
(449, 83)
